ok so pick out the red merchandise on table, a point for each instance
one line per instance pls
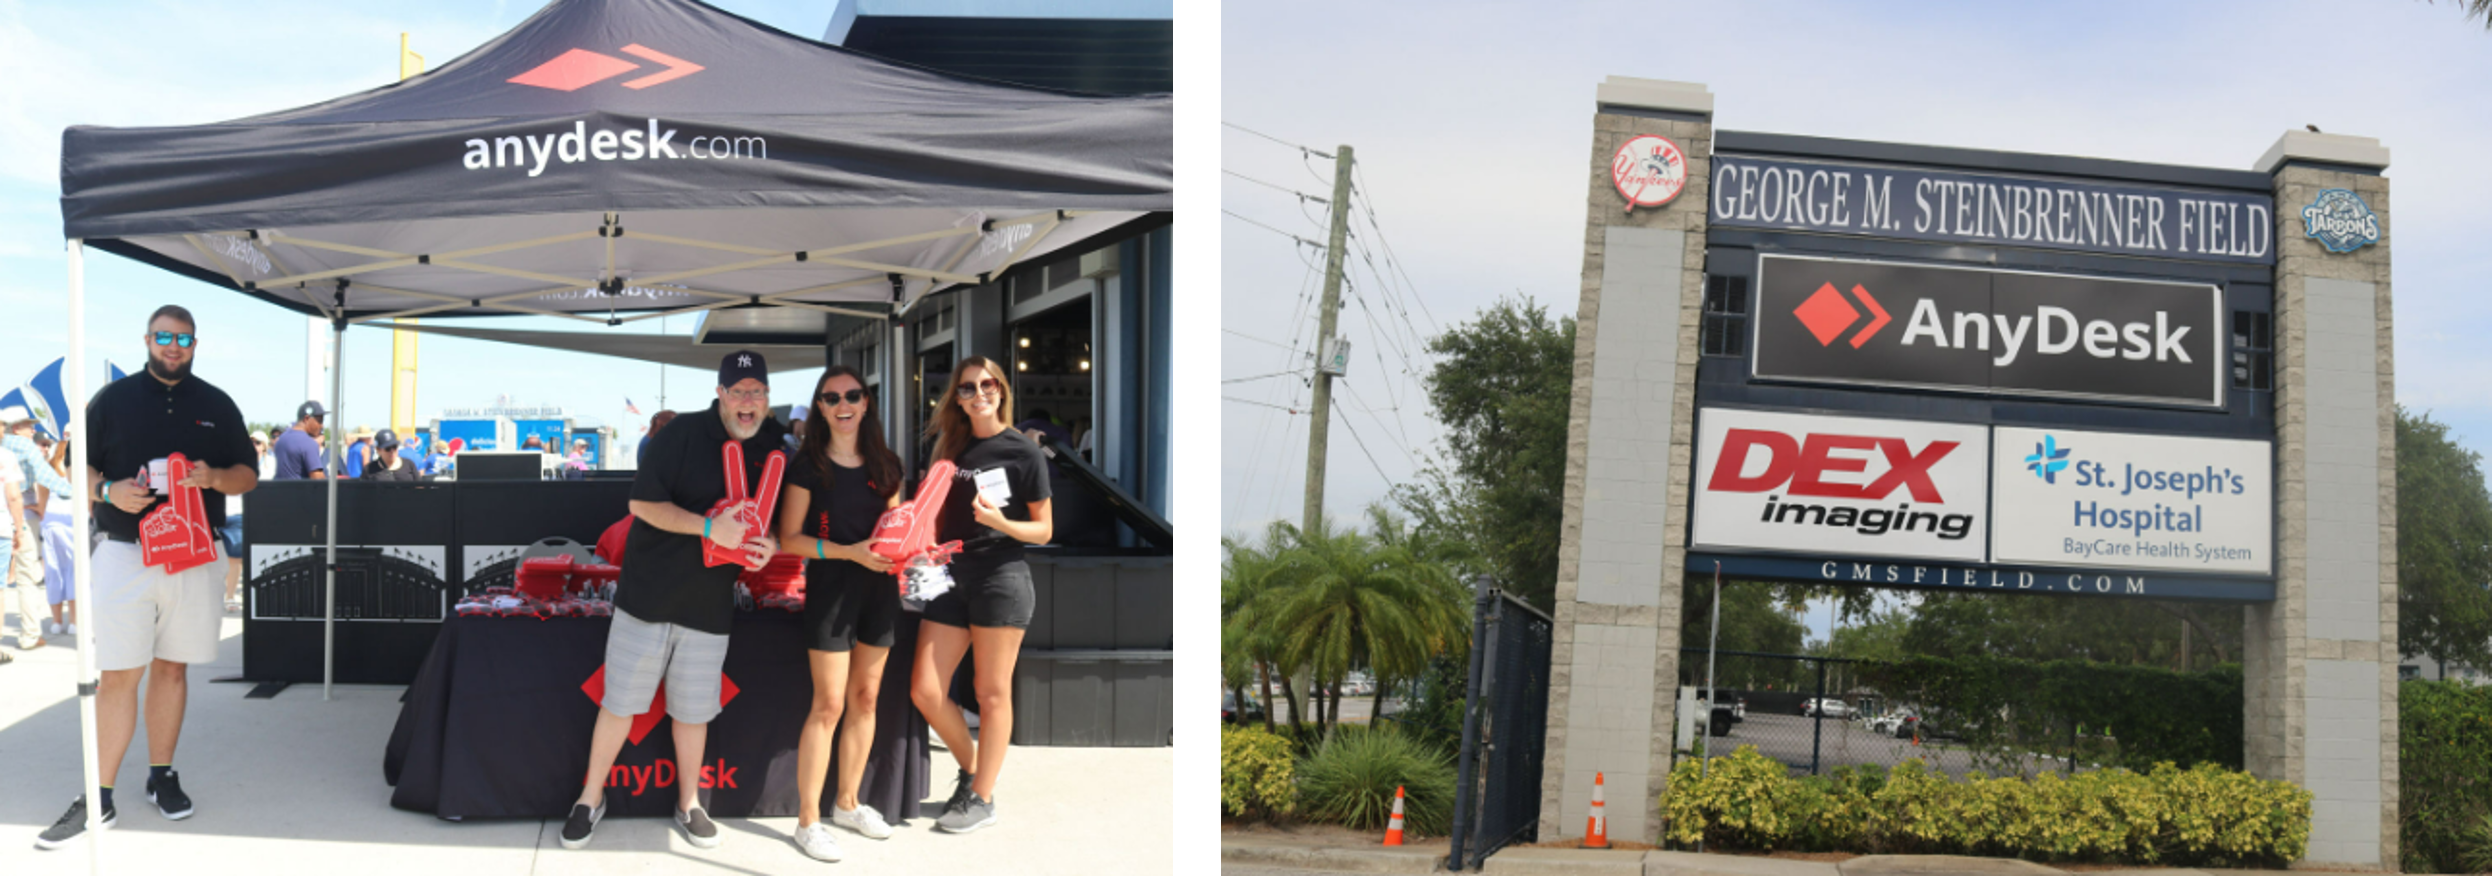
(908, 530)
(784, 575)
(753, 510)
(176, 535)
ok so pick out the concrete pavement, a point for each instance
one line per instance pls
(293, 785)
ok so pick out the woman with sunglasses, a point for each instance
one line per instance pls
(998, 502)
(841, 481)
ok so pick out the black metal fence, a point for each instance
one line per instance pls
(1813, 714)
(1504, 719)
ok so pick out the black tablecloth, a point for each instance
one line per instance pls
(497, 725)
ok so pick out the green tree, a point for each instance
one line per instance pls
(1249, 647)
(1503, 385)
(1338, 599)
(1756, 617)
(2444, 546)
(2036, 627)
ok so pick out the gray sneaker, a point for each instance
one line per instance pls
(698, 829)
(971, 813)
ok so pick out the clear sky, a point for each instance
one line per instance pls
(140, 64)
(1472, 125)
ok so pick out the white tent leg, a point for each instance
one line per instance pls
(81, 568)
(328, 600)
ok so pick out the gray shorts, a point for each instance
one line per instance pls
(639, 654)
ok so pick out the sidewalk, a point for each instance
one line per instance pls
(293, 785)
(1269, 853)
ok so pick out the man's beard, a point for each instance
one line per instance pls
(741, 433)
(174, 376)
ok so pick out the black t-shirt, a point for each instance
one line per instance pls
(1025, 471)
(664, 580)
(138, 419)
(407, 471)
(841, 508)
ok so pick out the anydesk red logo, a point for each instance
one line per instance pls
(580, 68)
(642, 723)
(1827, 314)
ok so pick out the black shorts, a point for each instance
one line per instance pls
(847, 605)
(986, 595)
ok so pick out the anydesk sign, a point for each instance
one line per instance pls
(1840, 485)
(1993, 332)
(1984, 209)
(2109, 500)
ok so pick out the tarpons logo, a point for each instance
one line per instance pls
(580, 68)
(2340, 221)
(536, 152)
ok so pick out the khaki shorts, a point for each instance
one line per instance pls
(142, 614)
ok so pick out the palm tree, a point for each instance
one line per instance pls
(1248, 646)
(1340, 599)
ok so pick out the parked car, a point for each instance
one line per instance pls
(1738, 705)
(1831, 707)
(1229, 711)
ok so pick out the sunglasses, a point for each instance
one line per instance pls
(166, 339)
(985, 386)
(854, 397)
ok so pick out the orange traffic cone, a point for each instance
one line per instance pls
(1596, 829)
(1393, 829)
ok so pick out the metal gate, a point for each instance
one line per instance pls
(1505, 716)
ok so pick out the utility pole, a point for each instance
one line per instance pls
(1321, 422)
(1324, 379)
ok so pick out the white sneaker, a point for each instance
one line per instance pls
(863, 819)
(817, 842)
(69, 629)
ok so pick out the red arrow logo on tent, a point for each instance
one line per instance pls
(580, 68)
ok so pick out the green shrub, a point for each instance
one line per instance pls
(2005, 708)
(2200, 816)
(1350, 780)
(2444, 743)
(1256, 774)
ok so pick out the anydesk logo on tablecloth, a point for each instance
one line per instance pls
(1839, 485)
(2106, 499)
(2340, 221)
(1648, 170)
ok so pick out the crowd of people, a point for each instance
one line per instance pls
(673, 612)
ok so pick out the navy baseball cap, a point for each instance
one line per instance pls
(310, 409)
(742, 364)
(385, 439)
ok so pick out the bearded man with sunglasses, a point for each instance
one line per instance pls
(148, 622)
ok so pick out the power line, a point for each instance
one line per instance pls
(1249, 401)
(1362, 449)
(1274, 139)
(1290, 373)
(1301, 241)
(1277, 187)
(1227, 331)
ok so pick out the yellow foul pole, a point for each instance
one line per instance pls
(402, 344)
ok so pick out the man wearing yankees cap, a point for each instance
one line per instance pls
(672, 611)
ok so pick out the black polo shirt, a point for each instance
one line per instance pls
(664, 580)
(138, 419)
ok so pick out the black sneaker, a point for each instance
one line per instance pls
(583, 823)
(960, 792)
(72, 823)
(168, 796)
(698, 829)
(971, 814)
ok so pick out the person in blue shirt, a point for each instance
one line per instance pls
(298, 450)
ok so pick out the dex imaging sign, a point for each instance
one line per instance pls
(1841, 485)
(2107, 500)
(1823, 320)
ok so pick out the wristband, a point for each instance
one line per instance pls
(817, 550)
(705, 528)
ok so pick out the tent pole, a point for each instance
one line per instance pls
(81, 568)
(337, 420)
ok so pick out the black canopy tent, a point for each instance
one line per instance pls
(612, 161)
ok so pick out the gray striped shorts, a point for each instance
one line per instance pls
(639, 654)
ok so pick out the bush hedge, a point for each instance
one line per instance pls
(1350, 778)
(2006, 707)
(2168, 817)
(2444, 742)
(1257, 775)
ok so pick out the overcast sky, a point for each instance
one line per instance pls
(141, 64)
(1472, 127)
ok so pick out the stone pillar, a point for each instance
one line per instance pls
(1613, 676)
(2320, 663)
